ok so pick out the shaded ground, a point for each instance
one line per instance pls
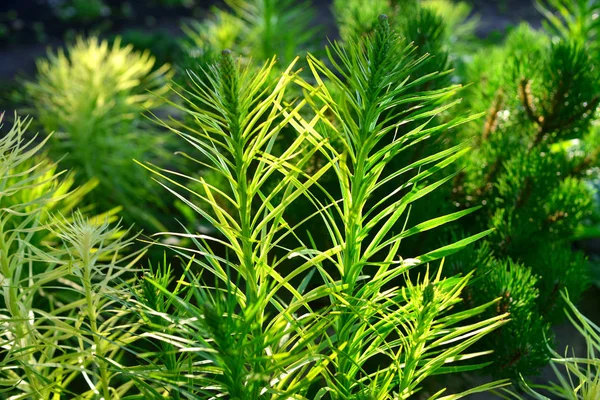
(497, 15)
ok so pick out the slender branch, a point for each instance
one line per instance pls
(491, 122)
(527, 100)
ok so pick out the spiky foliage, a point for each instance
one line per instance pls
(457, 17)
(387, 337)
(266, 327)
(258, 29)
(528, 169)
(58, 325)
(441, 29)
(255, 30)
(253, 333)
(575, 19)
(417, 20)
(92, 95)
(577, 375)
(360, 17)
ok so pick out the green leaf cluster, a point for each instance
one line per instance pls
(533, 155)
(253, 316)
(62, 321)
(92, 97)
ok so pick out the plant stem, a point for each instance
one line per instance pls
(231, 91)
(93, 315)
(351, 258)
(21, 329)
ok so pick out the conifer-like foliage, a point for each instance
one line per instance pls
(270, 320)
(378, 82)
(575, 19)
(578, 375)
(533, 153)
(60, 329)
(254, 336)
(92, 96)
(257, 29)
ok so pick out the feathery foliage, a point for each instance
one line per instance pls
(60, 326)
(92, 96)
(302, 321)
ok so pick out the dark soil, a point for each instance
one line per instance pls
(498, 15)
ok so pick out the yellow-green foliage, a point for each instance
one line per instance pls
(280, 317)
(56, 274)
(93, 95)
(258, 29)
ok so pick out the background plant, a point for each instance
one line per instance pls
(577, 375)
(533, 154)
(92, 95)
(259, 29)
(60, 328)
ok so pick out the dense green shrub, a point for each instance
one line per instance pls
(533, 154)
(93, 96)
(332, 205)
(578, 375)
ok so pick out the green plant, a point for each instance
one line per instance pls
(379, 83)
(318, 265)
(60, 325)
(259, 29)
(266, 327)
(92, 96)
(574, 19)
(256, 30)
(532, 156)
(578, 376)
(160, 43)
(460, 24)
(441, 29)
(359, 17)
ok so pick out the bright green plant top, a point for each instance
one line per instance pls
(93, 95)
(270, 320)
